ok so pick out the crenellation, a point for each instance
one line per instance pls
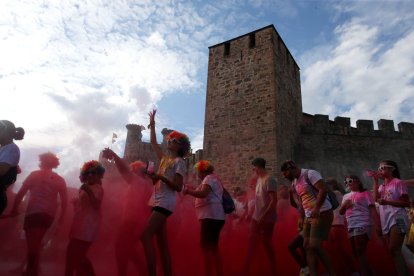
(254, 108)
(342, 121)
(365, 126)
(386, 126)
(321, 122)
(406, 129)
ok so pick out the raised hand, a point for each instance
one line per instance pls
(152, 118)
(107, 153)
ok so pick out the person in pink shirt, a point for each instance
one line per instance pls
(210, 212)
(44, 186)
(358, 206)
(392, 197)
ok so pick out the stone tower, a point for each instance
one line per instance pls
(133, 145)
(136, 149)
(253, 103)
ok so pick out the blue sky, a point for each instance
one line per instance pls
(74, 72)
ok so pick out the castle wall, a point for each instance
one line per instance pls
(336, 149)
(253, 85)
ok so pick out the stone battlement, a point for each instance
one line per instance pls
(320, 124)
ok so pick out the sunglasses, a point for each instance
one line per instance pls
(382, 168)
(348, 181)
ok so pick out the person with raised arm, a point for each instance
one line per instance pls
(134, 216)
(167, 182)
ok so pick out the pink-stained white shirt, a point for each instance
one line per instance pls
(87, 219)
(164, 196)
(44, 187)
(211, 206)
(359, 215)
(307, 193)
(264, 186)
(390, 215)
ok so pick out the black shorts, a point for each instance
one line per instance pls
(38, 220)
(210, 232)
(161, 210)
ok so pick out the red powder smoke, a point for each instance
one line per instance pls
(183, 235)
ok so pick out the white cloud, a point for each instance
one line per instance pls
(196, 137)
(361, 75)
(76, 71)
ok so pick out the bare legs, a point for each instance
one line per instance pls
(318, 230)
(263, 232)
(126, 249)
(395, 242)
(34, 237)
(76, 259)
(209, 236)
(294, 245)
(156, 226)
(359, 245)
(314, 251)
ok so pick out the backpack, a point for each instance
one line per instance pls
(228, 203)
(226, 199)
(330, 194)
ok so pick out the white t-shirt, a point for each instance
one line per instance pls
(87, 219)
(391, 215)
(44, 187)
(338, 219)
(10, 154)
(211, 206)
(358, 215)
(164, 195)
(264, 186)
(307, 193)
(240, 207)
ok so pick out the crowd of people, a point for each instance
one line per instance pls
(330, 222)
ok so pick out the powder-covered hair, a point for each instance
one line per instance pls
(17, 133)
(92, 166)
(49, 159)
(137, 166)
(182, 140)
(203, 166)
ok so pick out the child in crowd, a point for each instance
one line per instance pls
(87, 220)
(361, 215)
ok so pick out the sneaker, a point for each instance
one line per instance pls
(304, 271)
